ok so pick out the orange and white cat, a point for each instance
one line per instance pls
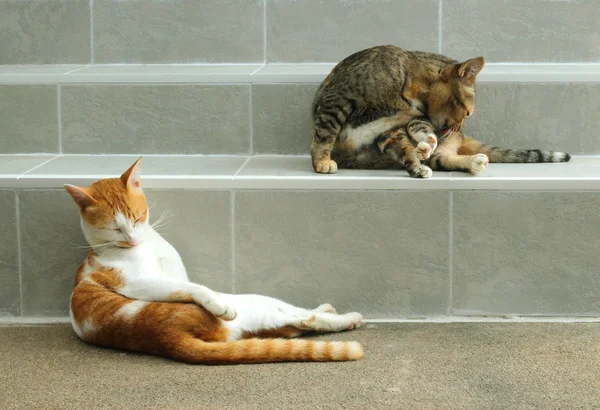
(132, 292)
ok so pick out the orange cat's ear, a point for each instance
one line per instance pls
(131, 177)
(81, 197)
(468, 70)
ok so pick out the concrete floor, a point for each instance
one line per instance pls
(406, 366)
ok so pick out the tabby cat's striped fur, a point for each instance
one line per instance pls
(386, 107)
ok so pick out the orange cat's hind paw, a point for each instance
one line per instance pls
(326, 308)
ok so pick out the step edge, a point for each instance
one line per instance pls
(271, 73)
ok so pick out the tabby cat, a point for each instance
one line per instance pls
(384, 106)
(132, 292)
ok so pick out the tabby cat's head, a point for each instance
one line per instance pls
(451, 99)
(113, 211)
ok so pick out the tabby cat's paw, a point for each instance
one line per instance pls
(327, 166)
(423, 151)
(478, 163)
(425, 148)
(355, 320)
(421, 171)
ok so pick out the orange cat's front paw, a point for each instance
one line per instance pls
(326, 166)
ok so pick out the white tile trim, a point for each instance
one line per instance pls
(275, 74)
(585, 171)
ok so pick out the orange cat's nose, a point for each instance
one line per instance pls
(132, 243)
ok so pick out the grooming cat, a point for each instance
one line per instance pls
(362, 115)
(132, 292)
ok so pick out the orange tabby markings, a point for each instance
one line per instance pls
(122, 299)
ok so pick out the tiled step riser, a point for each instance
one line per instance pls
(226, 31)
(261, 118)
(387, 254)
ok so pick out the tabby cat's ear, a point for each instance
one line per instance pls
(81, 197)
(131, 178)
(468, 70)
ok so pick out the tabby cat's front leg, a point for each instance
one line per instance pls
(422, 131)
(398, 146)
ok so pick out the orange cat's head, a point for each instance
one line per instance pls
(113, 211)
(451, 99)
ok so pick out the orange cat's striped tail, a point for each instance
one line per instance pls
(194, 350)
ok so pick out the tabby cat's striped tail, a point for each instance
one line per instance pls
(194, 350)
(470, 146)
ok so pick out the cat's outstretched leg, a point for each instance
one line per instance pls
(446, 158)
(397, 144)
(422, 131)
(263, 316)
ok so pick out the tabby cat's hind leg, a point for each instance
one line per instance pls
(446, 158)
(398, 146)
(473, 164)
(328, 119)
(421, 130)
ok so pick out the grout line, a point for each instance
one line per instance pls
(258, 69)
(37, 166)
(232, 241)
(440, 27)
(242, 167)
(59, 111)
(251, 121)
(450, 253)
(19, 252)
(91, 31)
(265, 31)
(77, 69)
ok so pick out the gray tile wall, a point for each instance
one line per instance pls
(181, 31)
(360, 251)
(528, 253)
(161, 119)
(215, 119)
(28, 119)
(385, 254)
(44, 32)
(327, 31)
(522, 30)
(281, 118)
(236, 31)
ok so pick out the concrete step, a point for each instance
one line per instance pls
(518, 240)
(261, 108)
(406, 366)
